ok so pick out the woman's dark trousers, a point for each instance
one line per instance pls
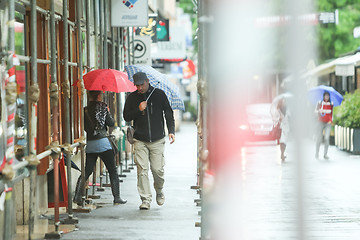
(108, 158)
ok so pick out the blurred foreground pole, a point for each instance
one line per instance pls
(202, 87)
(243, 51)
(299, 52)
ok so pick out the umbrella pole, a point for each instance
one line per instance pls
(148, 120)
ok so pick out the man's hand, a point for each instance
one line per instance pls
(171, 138)
(142, 105)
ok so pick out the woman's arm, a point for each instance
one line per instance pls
(109, 121)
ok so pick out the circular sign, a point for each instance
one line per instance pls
(139, 48)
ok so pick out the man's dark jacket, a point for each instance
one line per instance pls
(157, 106)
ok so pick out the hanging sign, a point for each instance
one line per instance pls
(173, 49)
(141, 52)
(129, 13)
(150, 29)
(157, 28)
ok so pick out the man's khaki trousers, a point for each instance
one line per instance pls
(149, 154)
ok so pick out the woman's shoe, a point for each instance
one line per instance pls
(77, 196)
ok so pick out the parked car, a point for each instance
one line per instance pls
(259, 125)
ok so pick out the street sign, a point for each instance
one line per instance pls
(345, 70)
(129, 13)
(307, 19)
(329, 17)
(175, 48)
(141, 51)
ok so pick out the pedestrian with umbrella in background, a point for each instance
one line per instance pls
(327, 98)
(281, 117)
(97, 119)
(147, 107)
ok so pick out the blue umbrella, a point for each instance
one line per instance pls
(160, 81)
(316, 94)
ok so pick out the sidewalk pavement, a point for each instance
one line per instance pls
(174, 220)
(260, 199)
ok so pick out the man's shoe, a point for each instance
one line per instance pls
(119, 201)
(145, 205)
(326, 157)
(160, 198)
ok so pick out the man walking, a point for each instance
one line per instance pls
(147, 107)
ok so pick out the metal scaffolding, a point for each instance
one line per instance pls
(61, 137)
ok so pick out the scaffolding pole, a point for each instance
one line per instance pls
(34, 96)
(54, 105)
(82, 89)
(66, 95)
(105, 58)
(202, 120)
(101, 33)
(10, 86)
(96, 30)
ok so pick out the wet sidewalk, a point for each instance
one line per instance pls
(174, 220)
(264, 201)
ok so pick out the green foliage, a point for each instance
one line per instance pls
(188, 7)
(19, 43)
(348, 113)
(191, 109)
(335, 40)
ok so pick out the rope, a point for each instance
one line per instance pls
(204, 155)
(54, 93)
(67, 148)
(55, 149)
(202, 87)
(82, 88)
(34, 93)
(11, 94)
(32, 160)
(66, 89)
(8, 171)
(82, 141)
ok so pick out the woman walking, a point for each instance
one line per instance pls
(97, 119)
(324, 109)
(284, 126)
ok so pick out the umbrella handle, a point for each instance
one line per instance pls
(151, 92)
(150, 95)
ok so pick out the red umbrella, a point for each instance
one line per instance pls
(110, 80)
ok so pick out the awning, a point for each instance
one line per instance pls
(343, 66)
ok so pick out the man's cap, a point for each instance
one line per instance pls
(139, 78)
